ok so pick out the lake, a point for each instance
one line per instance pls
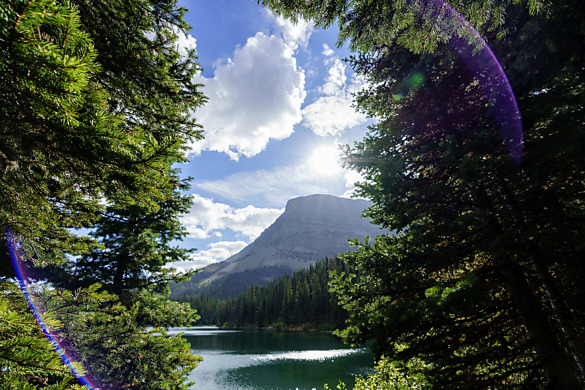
(263, 360)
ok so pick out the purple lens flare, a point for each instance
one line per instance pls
(474, 51)
(25, 287)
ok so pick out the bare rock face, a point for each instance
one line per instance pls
(310, 229)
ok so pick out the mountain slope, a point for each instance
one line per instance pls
(310, 229)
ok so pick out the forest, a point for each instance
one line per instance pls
(483, 284)
(481, 287)
(94, 116)
(301, 300)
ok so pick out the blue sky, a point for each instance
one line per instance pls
(279, 104)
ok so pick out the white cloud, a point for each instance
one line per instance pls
(332, 113)
(352, 177)
(335, 80)
(295, 34)
(185, 42)
(254, 97)
(197, 232)
(327, 52)
(207, 217)
(217, 251)
(277, 186)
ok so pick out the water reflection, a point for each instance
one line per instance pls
(259, 360)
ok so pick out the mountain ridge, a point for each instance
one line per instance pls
(311, 228)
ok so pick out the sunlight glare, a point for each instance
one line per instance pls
(325, 161)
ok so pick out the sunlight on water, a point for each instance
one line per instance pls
(272, 360)
(200, 331)
(308, 355)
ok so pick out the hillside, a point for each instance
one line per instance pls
(311, 229)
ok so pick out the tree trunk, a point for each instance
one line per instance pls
(559, 364)
(570, 337)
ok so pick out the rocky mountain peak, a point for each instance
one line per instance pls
(311, 228)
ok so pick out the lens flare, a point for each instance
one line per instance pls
(473, 50)
(497, 88)
(19, 269)
(482, 62)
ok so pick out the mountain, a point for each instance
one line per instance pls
(310, 229)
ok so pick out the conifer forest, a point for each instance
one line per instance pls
(473, 162)
(300, 300)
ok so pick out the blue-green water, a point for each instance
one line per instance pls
(262, 360)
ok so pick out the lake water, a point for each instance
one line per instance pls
(272, 360)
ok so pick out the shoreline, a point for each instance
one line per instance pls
(276, 329)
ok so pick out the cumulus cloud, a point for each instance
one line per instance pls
(327, 52)
(206, 218)
(295, 34)
(332, 113)
(351, 178)
(254, 97)
(217, 251)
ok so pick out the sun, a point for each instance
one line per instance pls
(325, 161)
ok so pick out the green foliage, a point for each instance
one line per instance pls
(298, 300)
(459, 321)
(390, 376)
(96, 106)
(90, 112)
(420, 26)
(51, 112)
(112, 341)
(484, 277)
(28, 360)
(136, 246)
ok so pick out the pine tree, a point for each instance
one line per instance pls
(27, 357)
(136, 247)
(96, 102)
(482, 279)
(54, 129)
(111, 341)
(96, 107)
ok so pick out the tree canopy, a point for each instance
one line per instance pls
(484, 279)
(97, 103)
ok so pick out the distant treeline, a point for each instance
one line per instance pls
(298, 300)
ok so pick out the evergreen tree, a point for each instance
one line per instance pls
(27, 357)
(112, 343)
(96, 102)
(136, 246)
(482, 280)
(53, 127)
